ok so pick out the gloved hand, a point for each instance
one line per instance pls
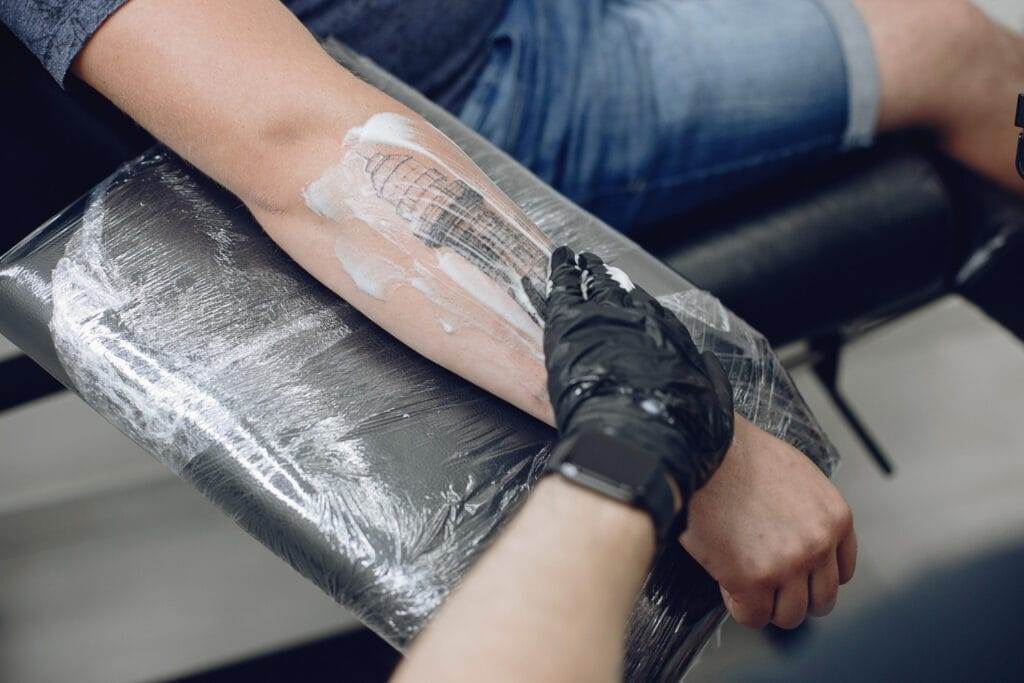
(619, 363)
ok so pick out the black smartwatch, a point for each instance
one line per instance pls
(613, 467)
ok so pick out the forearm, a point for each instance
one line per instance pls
(435, 253)
(549, 601)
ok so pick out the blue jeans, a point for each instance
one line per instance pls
(640, 109)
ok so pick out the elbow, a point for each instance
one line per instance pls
(291, 149)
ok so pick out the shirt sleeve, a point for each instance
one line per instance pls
(55, 30)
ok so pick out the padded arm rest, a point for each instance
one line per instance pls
(372, 471)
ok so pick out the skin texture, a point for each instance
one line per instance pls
(813, 544)
(506, 625)
(240, 89)
(446, 242)
(948, 68)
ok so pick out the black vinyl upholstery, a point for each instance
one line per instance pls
(861, 237)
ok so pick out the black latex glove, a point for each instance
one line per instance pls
(619, 363)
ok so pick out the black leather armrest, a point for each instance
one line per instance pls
(858, 238)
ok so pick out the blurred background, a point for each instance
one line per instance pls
(112, 570)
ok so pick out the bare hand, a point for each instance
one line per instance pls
(773, 531)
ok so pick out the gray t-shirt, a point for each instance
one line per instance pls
(434, 45)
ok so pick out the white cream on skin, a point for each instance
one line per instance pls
(443, 276)
(394, 130)
(487, 293)
(372, 274)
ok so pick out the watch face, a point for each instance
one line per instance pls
(614, 459)
(615, 468)
(602, 485)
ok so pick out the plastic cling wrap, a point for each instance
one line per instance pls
(372, 471)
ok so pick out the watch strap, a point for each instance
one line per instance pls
(613, 467)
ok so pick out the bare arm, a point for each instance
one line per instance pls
(550, 600)
(392, 216)
(363, 193)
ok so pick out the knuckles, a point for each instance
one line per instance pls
(797, 556)
(842, 519)
(818, 546)
(763, 576)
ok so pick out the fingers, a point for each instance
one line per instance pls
(753, 609)
(564, 281)
(824, 588)
(816, 596)
(846, 555)
(787, 606)
(791, 604)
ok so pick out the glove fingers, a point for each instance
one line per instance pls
(564, 282)
(603, 283)
(671, 326)
(587, 260)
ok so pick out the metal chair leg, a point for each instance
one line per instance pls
(826, 367)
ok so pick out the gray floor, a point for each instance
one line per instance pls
(112, 570)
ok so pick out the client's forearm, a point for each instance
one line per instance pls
(393, 217)
(358, 189)
(549, 601)
(419, 239)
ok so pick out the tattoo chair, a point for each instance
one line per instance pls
(884, 204)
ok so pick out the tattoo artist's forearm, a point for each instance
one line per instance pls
(502, 623)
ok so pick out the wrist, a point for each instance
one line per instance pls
(593, 517)
(616, 467)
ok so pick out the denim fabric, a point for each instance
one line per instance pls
(640, 109)
(436, 46)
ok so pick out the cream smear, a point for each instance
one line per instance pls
(372, 274)
(382, 181)
(620, 277)
(395, 130)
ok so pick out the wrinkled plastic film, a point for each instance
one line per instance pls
(763, 391)
(375, 473)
